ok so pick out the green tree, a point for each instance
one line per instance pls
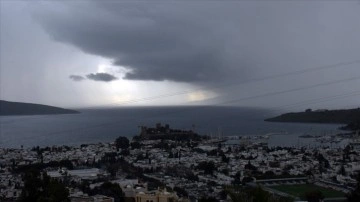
(238, 196)
(110, 189)
(354, 196)
(40, 187)
(122, 142)
(314, 196)
(224, 158)
(260, 195)
(113, 168)
(208, 199)
(342, 170)
(237, 180)
(181, 192)
(54, 191)
(32, 186)
(135, 145)
(207, 167)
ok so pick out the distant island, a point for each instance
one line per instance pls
(18, 108)
(342, 116)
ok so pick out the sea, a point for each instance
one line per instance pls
(106, 124)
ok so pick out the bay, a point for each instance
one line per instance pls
(106, 124)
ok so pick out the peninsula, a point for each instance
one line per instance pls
(342, 116)
(18, 108)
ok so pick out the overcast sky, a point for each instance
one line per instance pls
(96, 53)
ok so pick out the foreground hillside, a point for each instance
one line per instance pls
(18, 108)
(344, 116)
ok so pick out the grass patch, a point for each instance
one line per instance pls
(299, 190)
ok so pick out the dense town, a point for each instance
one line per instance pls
(150, 168)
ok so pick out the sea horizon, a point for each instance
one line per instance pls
(106, 124)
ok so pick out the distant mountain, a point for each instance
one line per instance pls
(19, 108)
(343, 116)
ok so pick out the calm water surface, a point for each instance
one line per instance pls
(104, 125)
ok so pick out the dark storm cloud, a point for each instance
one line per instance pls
(207, 43)
(76, 77)
(153, 41)
(204, 43)
(101, 77)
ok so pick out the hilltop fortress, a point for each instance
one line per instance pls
(165, 132)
